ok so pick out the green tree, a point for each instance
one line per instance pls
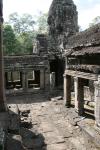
(21, 24)
(26, 39)
(41, 23)
(23, 33)
(24, 29)
(10, 43)
(95, 21)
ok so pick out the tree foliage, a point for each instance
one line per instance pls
(26, 39)
(21, 24)
(42, 23)
(95, 21)
(19, 33)
(11, 44)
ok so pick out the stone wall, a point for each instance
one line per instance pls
(62, 22)
(26, 61)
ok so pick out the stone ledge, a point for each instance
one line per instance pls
(91, 132)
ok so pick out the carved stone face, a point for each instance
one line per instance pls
(62, 21)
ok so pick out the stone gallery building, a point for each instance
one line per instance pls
(82, 56)
(32, 71)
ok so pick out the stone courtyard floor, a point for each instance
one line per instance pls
(48, 125)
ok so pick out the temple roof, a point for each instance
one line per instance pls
(88, 37)
(83, 43)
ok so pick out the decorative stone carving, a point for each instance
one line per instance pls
(40, 46)
(62, 22)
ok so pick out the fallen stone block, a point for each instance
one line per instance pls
(25, 133)
(14, 142)
(26, 123)
(25, 112)
(14, 117)
(54, 99)
(2, 139)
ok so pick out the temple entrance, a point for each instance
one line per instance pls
(57, 66)
(34, 79)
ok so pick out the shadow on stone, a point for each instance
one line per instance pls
(32, 140)
(21, 134)
(28, 98)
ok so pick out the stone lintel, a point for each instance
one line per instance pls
(81, 74)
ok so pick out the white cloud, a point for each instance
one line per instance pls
(87, 9)
(25, 6)
(87, 15)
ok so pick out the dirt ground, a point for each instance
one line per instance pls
(47, 125)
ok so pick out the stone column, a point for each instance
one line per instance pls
(79, 95)
(12, 79)
(21, 78)
(52, 81)
(25, 80)
(47, 79)
(91, 89)
(42, 77)
(97, 102)
(2, 91)
(67, 90)
(6, 79)
(33, 75)
(66, 63)
(76, 92)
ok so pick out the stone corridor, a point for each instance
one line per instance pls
(52, 126)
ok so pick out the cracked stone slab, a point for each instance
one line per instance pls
(46, 127)
(53, 138)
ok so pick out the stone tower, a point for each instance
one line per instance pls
(63, 23)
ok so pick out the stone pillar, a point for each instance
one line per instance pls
(6, 79)
(79, 95)
(2, 91)
(42, 79)
(66, 63)
(25, 80)
(33, 75)
(52, 81)
(47, 79)
(12, 79)
(91, 89)
(21, 78)
(97, 102)
(67, 90)
(76, 92)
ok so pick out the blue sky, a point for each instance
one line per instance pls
(87, 9)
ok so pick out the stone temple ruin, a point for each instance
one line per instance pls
(65, 60)
(82, 64)
(63, 23)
